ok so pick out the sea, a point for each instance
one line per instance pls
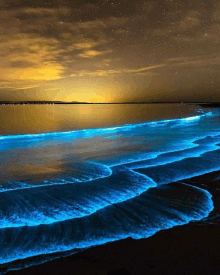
(83, 175)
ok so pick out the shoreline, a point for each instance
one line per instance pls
(192, 248)
(187, 249)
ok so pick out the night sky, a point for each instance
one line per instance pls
(110, 51)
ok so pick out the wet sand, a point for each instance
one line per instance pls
(188, 249)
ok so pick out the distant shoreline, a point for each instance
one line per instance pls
(203, 104)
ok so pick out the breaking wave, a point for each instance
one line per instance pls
(72, 190)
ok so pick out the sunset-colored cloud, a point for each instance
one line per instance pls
(90, 54)
(115, 72)
(46, 72)
(26, 57)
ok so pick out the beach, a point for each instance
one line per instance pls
(125, 199)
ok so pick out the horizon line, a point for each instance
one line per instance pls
(78, 102)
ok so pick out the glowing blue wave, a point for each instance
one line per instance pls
(192, 149)
(72, 190)
(76, 172)
(50, 204)
(139, 217)
(92, 132)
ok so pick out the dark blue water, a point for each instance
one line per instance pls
(67, 191)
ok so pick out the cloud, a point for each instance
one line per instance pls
(97, 27)
(92, 53)
(48, 71)
(145, 69)
(37, 43)
(26, 56)
(79, 43)
(26, 87)
(85, 73)
(22, 64)
(191, 20)
(86, 44)
(43, 41)
(196, 62)
(196, 29)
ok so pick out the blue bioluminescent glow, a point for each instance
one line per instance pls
(49, 204)
(139, 217)
(92, 132)
(72, 190)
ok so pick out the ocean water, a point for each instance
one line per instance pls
(77, 176)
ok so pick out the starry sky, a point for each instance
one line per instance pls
(110, 51)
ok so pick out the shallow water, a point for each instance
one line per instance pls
(27, 119)
(70, 190)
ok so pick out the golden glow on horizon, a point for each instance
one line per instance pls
(90, 95)
(83, 90)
